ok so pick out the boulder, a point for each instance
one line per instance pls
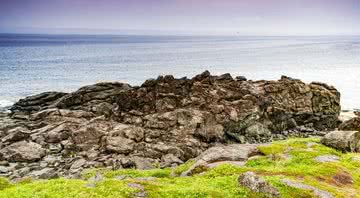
(257, 184)
(342, 140)
(234, 152)
(23, 152)
(351, 125)
(16, 134)
(119, 145)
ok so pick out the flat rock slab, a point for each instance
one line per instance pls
(236, 163)
(327, 158)
(237, 153)
(318, 193)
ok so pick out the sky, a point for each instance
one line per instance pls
(235, 17)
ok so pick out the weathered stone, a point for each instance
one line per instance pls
(351, 125)
(119, 145)
(16, 134)
(342, 140)
(166, 120)
(46, 173)
(23, 152)
(318, 193)
(170, 160)
(257, 184)
(327, 158)
(235, 152)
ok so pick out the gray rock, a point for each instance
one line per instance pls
(342, 140)
(234, 152)
(142, 163)
(318, 193)
(170, 160)
(46, 173)
(119, 145)
(23, 152)
(257, 184)
(78, 164)
(327, 158)
(3, 169)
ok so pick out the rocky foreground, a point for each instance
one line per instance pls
(162, 123)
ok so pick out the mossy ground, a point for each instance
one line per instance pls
(292, 159)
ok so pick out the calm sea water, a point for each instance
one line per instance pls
(30, 64)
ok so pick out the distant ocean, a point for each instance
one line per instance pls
(31, 64)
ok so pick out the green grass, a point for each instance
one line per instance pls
(291, 159)
(66, 188)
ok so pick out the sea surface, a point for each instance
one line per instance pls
(31, 64)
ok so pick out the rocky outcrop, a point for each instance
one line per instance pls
(342, 140)
(164, 121)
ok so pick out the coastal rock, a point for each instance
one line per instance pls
(351, 125)
(257, 184)
(342, 140)
(164, 121)
(234, 152)
(23, 152)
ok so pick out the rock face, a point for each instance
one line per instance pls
(165, 120)
(257, 184)
(342, 140)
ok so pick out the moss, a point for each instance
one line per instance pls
(64, 188)
(183, 167)
(4, 183)
(197, 187)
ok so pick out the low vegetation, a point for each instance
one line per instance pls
(292, 159)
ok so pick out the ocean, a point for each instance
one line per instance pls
(31, 64)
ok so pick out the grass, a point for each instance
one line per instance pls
(292, 159)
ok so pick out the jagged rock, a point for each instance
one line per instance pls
(257, 184)
(351, 125)
(234, 152)
(16, 134)
(318, 193)
(165, 120)
(23, 152)
(170, 160)
(119, 145)
(46, 173)
(342, 140)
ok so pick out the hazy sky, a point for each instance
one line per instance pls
(247, 17)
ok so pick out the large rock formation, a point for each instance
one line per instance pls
(165, 120)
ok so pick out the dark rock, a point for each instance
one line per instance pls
(165, 120)
(351, 125)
